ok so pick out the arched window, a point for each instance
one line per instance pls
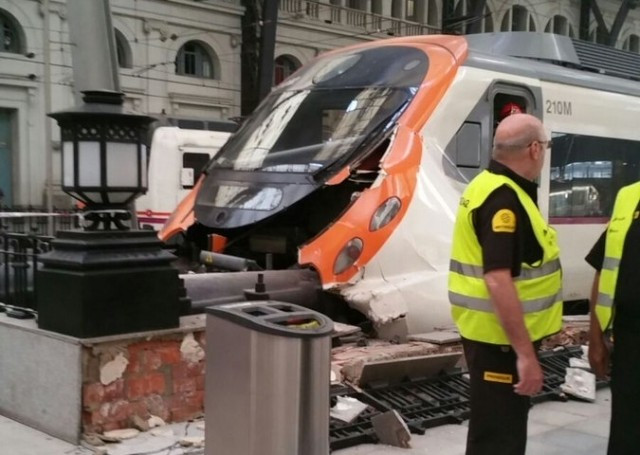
(598, 35)
(410, 11)
(376, 6)
(396, 9)
(123, 50)
(560, 26)
(285, 66)
(356, 4)
(433, 18)
(518, 19)
(464, 8)
(11, 34)
(632, 43)
(415, 11)
(196, 59)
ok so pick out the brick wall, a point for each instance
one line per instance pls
(162, 376)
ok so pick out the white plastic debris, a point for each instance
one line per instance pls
(580, 384)
(347, 409)
(575, 362)
(585, 351)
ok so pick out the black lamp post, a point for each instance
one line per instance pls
(104, 155)
(106, 278)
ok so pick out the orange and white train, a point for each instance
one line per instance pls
(354, 166)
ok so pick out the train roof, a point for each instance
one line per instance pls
(556, 58)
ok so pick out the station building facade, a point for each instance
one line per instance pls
(180, 60)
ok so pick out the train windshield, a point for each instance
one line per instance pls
(323, 113)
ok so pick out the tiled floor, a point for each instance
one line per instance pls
(555, 428)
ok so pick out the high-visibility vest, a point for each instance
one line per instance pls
(621, 218)
(539, 286)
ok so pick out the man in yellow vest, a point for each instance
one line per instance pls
(615, 256)
(505, 285)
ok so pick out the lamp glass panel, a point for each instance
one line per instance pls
(94, 197)
(89, 163)
(119, 197)
(143, 163)
(122, 164)
(68, 165)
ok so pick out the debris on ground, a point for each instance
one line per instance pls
(391, 429)
(347, 409)
(580, 384)
(121, 435)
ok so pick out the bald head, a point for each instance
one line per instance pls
(514, 133)
(519, 143)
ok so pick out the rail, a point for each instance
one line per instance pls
(426, 403)
(361, 20)
(23, 237)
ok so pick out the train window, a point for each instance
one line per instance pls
(586, 173)
(505, 104)
(467, 143)
(192, 165)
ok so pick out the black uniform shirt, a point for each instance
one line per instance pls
(627, 296)
(503, 226)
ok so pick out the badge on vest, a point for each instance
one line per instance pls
(503, 378)
(504, 221)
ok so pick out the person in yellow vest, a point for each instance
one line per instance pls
(505, 286)
(615, 293)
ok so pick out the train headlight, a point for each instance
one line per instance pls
(385, 213)
(348, 255)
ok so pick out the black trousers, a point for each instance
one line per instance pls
(498, 421)
(624, 438)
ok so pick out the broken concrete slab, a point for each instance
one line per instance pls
(340, 329)
(439, 337)
(391, 429)
(396, 370)
(349, 360)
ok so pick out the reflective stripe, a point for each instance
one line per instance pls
(474, 271)
(477, 271)
(610, 263)
(605, 300)
(478, 304)
(546, 269)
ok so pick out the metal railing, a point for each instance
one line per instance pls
(354, 18)
(18, 264)
(23, 237)
(35, 220)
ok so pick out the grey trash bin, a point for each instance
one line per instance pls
(268, 378)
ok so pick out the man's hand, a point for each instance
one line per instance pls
(530, 375)
(598, 356)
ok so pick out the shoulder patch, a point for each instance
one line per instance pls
(504, 221)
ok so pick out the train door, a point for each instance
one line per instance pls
(6, 181)
(470, 149)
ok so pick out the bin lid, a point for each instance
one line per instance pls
(276, 318)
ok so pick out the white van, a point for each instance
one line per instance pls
(177, 158)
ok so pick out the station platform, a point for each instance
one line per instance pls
(555, 428)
